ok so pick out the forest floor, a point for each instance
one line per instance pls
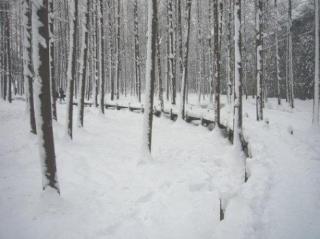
(109, 190)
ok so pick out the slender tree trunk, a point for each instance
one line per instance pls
(102, 80)
(185, 61)
(237, 128)
(291, 80)
(172, 73)
(72, 71)
(52, 70)
(44, 111)
(137, 52)
(30, 74)
(259, 100)
(84, 72)
(8, 56)
(277, 51)
(118, 50)
(160, 83)
(315, 119)
(216, 61)
(150, 73)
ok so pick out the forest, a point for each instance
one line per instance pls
(159, 119)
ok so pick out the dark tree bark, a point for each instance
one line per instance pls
(84, 72)
(29, 78)
(44, 114)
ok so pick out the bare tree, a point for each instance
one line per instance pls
(150, 73)
(72, 68)
(30, 71)
(216, 61)
(44, 112)
(185, 61)
(237, 126)
(259, 76)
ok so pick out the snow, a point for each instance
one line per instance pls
(106, 193)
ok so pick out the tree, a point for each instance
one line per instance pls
(72, 68)
(102, 80)
(8, 57)
(29, 70)
(185, 61)
(171, 56)
(290, 57)
(217, 61)
(41, 54)
(259, 75)
(118, 49)
(237, 126)
(52, 70)
(150, 73)
(315, 119)
(277, 51)
(84, 73)
(137, 51)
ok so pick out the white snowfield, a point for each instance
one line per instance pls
(108, 191)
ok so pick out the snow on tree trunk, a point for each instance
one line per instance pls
(185, 62)
(316, 72)
(259, 99)
(84, 70)
(28, 68)
(150, 74)
(41, 60)
(52, 71)
(237, 126)
(72, 68)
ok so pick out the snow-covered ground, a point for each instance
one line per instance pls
(107, 191)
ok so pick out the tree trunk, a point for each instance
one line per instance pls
(237, 126)
(216, 61)
(52, 71)
(185, 61)
(44, 111)
(102, 80)
(84, 72)
(150, 73)
(30, 75)
(259, 100)
(72, 69)
(315, 119)
(172, 73)
(291, 80)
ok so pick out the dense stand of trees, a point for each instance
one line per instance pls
(100, 50)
